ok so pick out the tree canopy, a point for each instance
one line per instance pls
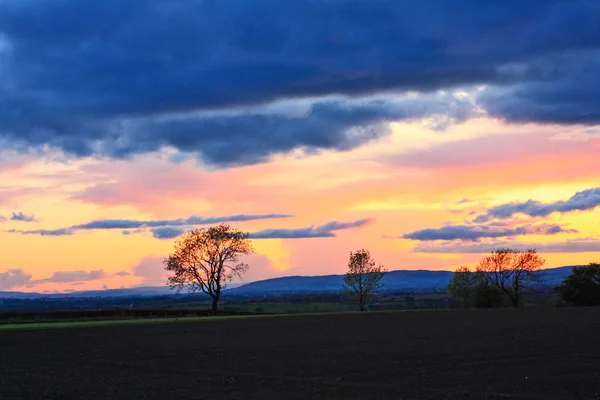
(463, 284)
(582, 287)
(511, 271)
(207, 259)
(363, 277)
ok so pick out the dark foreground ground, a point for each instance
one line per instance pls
(479, 354)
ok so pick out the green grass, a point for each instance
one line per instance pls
(288, 307)
(165, 320)
(133, 321)
(92, 323)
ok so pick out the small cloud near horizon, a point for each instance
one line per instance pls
(17, 277)
(19, 216)
(322, 231)
(581, 201)
(475, 233)
(582, 245)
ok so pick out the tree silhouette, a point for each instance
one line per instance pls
(207, 259)
(582, 287)
(363, 277)
(463, 284)
(511, 270)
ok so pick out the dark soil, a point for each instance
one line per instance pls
(479, 354)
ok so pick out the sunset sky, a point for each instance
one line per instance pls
(428, 132)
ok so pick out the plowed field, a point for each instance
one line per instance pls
(476, 354)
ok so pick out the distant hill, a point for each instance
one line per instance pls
(20, 295)
(149, 291)
(415, 279)
(409, 280)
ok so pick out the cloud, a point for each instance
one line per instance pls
(261, 267)
(563, 90)
(45, 232)
(109, 224)
(193, 220)
(2, 219)
(169, 229)
(73, 276)
(475, 233)
(121, 78)
(152, 270)
(223, 139)
(167, 232)
(570, 246)
(327, 230)
(580, 201)
(495, 149)
(252, 137)
(14, 278)
(19, 216)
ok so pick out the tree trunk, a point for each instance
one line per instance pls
(215, 302)
(517, 294)
(515, 300)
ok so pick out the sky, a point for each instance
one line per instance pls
(428, 132)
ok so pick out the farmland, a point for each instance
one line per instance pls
(455, 354)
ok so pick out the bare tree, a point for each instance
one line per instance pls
(207, 259)
(463, 284)
(511, 270)
(363, 277)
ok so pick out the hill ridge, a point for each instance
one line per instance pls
(401, 279)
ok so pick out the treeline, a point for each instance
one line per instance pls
(505, 275)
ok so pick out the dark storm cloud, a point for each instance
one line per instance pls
(108, 224)
(326, 230)
(570, 246)
(250, 138)
(580, 201)
(475, 233)
(564, 92)
(99, 77)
